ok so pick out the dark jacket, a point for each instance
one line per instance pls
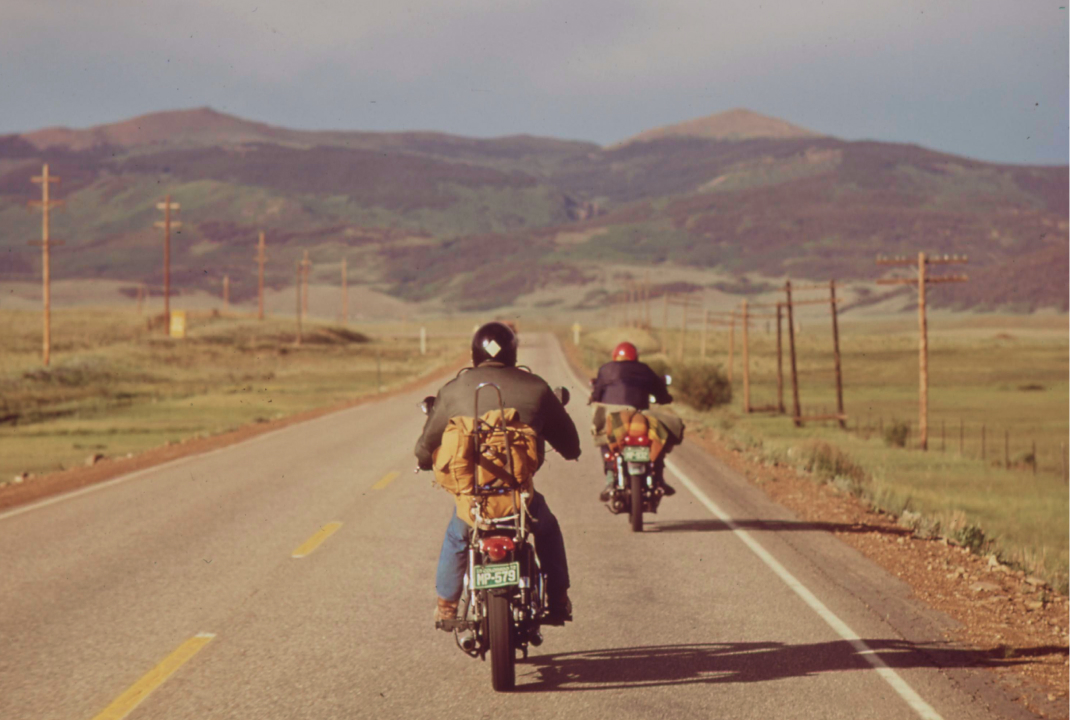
(629, 382)
(526, 392)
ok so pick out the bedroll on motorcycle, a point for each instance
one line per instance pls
(503, 469)
(622, 423)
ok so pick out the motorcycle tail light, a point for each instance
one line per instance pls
(496, 548)
(637, 440)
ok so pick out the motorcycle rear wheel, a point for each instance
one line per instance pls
(502, 649)
(637, 503)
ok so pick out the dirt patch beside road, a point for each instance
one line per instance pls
(43, 486)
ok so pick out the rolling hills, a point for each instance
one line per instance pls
(481, 223)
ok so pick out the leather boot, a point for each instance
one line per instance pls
(560, 608)
(445, 610)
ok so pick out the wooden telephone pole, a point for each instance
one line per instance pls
(167, 223)
(46, 204)
(746, 358)
(260, 259)
(297, 293)
(306, 268)
(922, 280)
(345, 293)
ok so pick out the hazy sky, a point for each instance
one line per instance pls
(982, 78)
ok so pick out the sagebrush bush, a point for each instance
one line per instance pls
(701, 386)
(827, 462)
(895, 434)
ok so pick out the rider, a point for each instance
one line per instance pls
(494, 348)
(627, 382)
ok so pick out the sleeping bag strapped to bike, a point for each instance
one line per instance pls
(624, 422)
(473, 463)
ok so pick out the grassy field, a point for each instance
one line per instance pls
(115, 388)
(1007, 374)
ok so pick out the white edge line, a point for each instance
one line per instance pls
(163, 466)
(922, 708)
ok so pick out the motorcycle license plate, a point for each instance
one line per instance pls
(494, 576)
(636, 453)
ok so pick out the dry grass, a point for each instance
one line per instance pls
(115, 388)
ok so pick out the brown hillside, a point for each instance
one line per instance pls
(737, 124)
(201, 124)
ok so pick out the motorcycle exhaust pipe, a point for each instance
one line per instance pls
(468, 641)
(535, 638)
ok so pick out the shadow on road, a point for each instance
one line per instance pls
(773, 526)
(662, 665)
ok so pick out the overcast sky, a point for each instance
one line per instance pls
(982, 78)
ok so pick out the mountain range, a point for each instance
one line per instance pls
(471, 223)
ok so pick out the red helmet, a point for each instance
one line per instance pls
(625, 351)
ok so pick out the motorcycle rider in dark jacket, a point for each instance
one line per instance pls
(626, 381)
(494, 350)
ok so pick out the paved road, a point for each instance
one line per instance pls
(725, 607)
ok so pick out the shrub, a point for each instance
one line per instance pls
(895, 434)
(827, 462)
(701, 386)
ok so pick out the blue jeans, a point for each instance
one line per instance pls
(549, 545)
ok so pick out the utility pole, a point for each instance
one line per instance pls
(260, 259)
(646, 300)
(731, 347)
(297, 293)
(779, 361)
(167, 206)
(797, 412)
(306, 267)
(46, 204)
(664, 322)
(836, 355)
(922, 280)
(705, 327)
(746, 360)
(345, 293)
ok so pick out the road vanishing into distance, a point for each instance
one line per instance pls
(292, 576)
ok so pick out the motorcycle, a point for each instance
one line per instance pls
(503, 604)
(635, 489)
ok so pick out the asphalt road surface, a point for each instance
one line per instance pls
(175, 593)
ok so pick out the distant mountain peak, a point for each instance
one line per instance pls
(158, 128)
(735, 124)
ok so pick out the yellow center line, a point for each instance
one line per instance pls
(316, 540)
(387, 479)
(140, 690)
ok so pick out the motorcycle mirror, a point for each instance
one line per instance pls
(426, 404)
(668, 380)
(563, 395)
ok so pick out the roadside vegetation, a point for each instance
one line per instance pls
(1007, 375)
(115, 388)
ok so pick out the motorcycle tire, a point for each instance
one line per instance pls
(502, 650)
(637, 503)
